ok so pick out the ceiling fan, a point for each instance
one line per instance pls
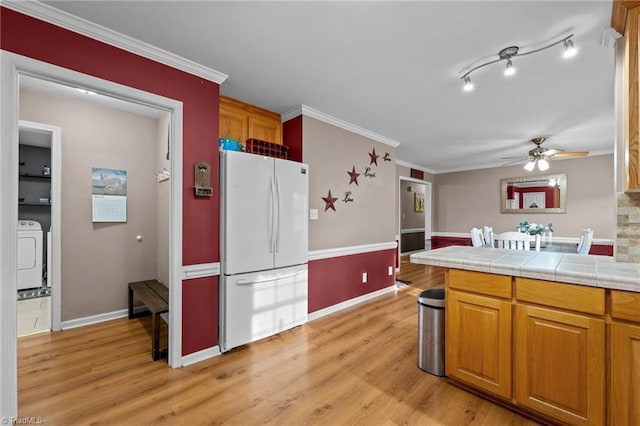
(540, 154)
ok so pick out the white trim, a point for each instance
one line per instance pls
(415, 166)
(94, 319)
(351, 302)
(201, 355)
(106, 35)
(411, 230)
(200, 270)
(55, 269)
(452, 234)
(335, 121)
(346, 251)
(11, 66)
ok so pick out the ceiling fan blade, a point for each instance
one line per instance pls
(570, 154)
(522, 157)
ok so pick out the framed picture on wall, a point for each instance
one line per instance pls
(418, 202)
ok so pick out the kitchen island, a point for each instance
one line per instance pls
(552, 335)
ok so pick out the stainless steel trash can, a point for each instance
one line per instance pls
(431, 331)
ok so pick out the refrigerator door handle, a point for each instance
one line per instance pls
(278, 206)
(266, 280)
(271, 207)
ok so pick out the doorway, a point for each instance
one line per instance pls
(414, 215)
(12, 67)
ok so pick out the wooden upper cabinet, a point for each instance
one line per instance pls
(242, 121)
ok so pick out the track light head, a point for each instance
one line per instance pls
(468, 85)
(510, 69)
(569, 49)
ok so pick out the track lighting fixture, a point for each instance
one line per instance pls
(510, 52)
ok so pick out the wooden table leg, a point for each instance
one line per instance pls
(155, 350)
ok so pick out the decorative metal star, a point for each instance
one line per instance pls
(374, 157)
(329, 200)
(353, 176)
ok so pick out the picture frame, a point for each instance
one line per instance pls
(418, 202)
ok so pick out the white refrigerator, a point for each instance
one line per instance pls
(264, 206)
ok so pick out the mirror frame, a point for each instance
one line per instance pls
(562, 179)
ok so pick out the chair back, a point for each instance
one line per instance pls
(586, 239)
(477, 240)
(487, 232)
(517, 241)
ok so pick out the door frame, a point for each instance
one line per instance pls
(56, 217)
(428, 212)
(11, 67)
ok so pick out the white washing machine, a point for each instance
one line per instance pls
(29, 254)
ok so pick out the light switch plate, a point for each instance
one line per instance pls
(313, 214)
(364, 277)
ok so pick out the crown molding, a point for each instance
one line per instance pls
(87, 28)
(415, 166)
(334, 121)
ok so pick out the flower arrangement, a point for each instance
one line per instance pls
(533, 228)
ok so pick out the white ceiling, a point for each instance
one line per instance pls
(394, 67)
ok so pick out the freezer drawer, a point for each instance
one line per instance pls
(258, 305)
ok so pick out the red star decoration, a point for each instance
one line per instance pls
(374, 157)
(329, 200)
(353, 176)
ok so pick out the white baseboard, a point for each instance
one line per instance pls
(351, 302)
(201, 355)
(95, 319)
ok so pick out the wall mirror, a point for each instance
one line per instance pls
(534, 194)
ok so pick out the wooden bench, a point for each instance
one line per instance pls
(155, 297)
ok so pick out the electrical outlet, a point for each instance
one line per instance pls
(313, 214)
(364, 277)
(390, 270)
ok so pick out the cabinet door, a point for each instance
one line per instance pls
(265, 129)
(560, 363)
(478, 341)
(624, 390)
(233, 124)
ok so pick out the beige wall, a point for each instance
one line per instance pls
(463, 200)
(405, 172)
(163, 202)
(411, 219)
(99, 259)
(331, 152)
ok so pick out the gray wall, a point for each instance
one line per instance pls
(330, 152)
(466, 199)
(163, 210)
(99, 259)
(412, 219)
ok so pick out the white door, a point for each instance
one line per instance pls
(292, 215)
(247, 212)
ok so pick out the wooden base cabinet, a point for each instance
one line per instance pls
(478, 330)
(560, 364)
(624, 394)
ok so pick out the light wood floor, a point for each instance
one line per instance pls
(357, 366)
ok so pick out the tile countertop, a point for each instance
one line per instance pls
(594, 271)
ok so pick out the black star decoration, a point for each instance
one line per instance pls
(374, 157)
(353, 176)
(329, 200)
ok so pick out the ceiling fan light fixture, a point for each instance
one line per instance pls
(569, 49)
(468, 85)
(543, 165)
(510, 69)
(530, 165)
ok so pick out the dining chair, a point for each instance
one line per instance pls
(487, 232)
(477, 240)
(586, 239)
(517, 241)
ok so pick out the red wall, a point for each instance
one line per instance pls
(338, 279)
(36, 39)
(440, 242)
(292, 137)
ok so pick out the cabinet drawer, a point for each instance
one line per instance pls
(625, 305)
(481, 282)
(577, 298)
